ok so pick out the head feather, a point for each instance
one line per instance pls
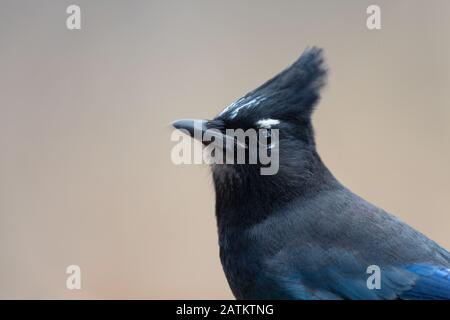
(292, 93)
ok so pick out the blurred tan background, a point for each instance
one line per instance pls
(85, 170)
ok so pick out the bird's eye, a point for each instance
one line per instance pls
(265, 137)
(267, 133)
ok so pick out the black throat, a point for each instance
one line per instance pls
(245, 197)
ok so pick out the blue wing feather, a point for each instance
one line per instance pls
(411, 282)
(433, 282)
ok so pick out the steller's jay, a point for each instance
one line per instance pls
(299, 233)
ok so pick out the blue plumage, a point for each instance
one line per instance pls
(432, 282)
(300, 234)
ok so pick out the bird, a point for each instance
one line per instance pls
(300, 234)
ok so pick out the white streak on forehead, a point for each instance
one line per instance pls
(236, 106)
(267, 123)
(231, 106)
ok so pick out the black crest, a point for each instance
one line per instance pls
(293, 93)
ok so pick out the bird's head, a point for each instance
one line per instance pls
(279, 112)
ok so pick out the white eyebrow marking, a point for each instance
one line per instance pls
(267, 123)
(236, 106)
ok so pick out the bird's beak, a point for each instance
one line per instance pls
(199, 130)
(193, 127)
